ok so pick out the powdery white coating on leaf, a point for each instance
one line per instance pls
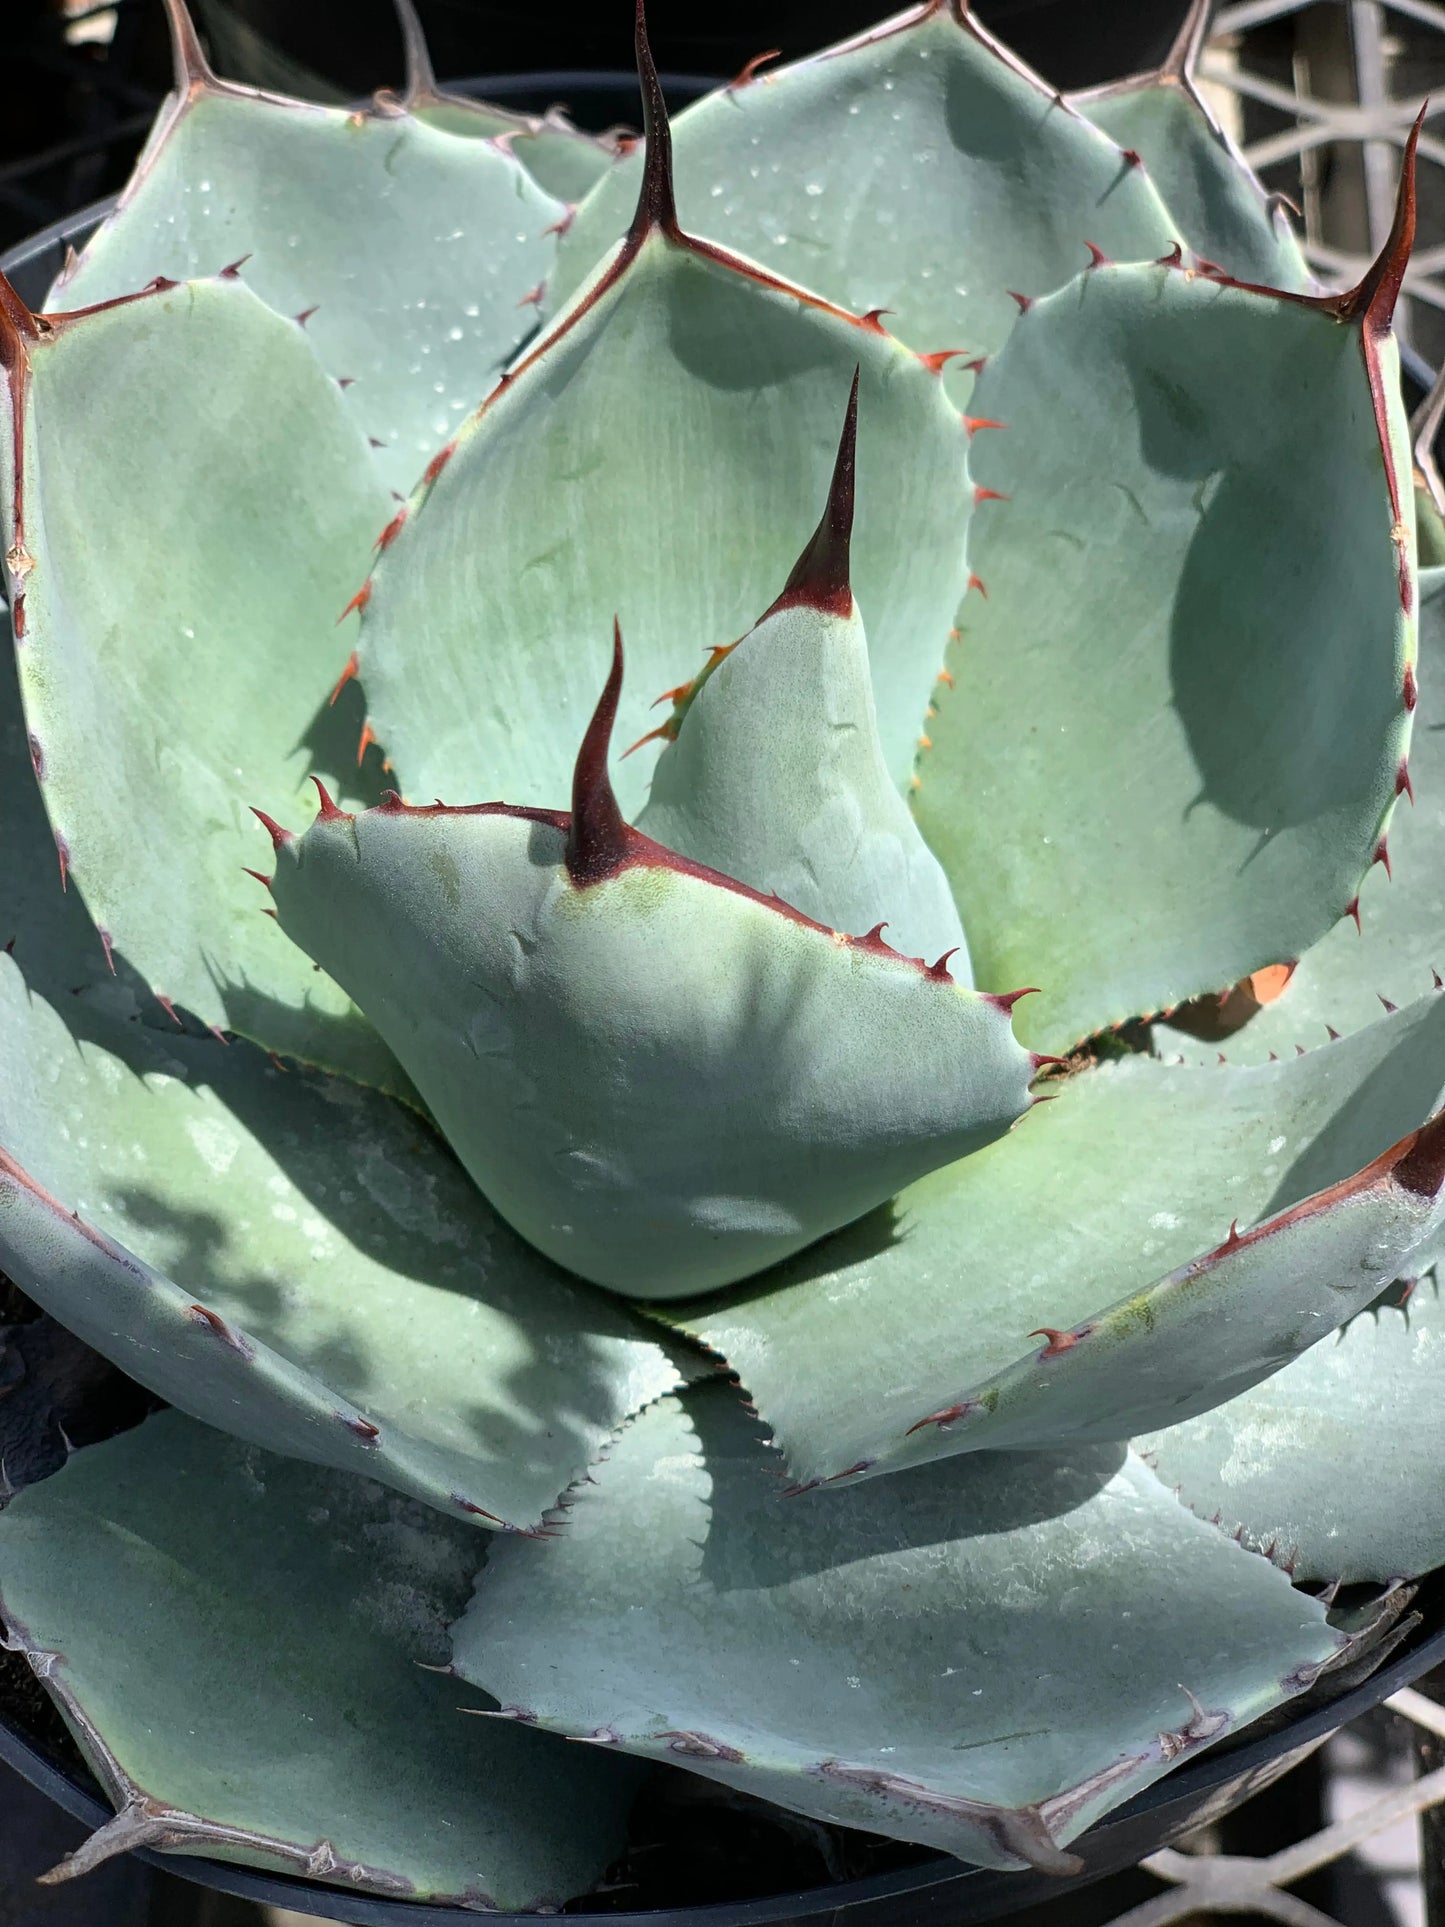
(893, 1657)
(660, 459)
(917, 169)
(1339, 982)
(561, 1033)
(562, 160)
(1222, 212)
(1271, 1461)
(372, 1311)
(777, 778)
(409, 249)
(1209, 749)
(195, 411)
(1087, 1312)
(268, 1704)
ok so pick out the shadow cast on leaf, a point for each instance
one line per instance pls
(1287, 700)
(753, 1536)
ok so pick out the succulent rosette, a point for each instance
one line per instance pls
(602, 1234)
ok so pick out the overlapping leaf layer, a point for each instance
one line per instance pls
(957, 739)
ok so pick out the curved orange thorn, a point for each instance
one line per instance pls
(391, 531)
(1058, 1341)
(358, 602)
(353, 667)
(936, 363)
(748, 74)
(945, 1416)
(665, 732)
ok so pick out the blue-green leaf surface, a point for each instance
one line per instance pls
(299, 1261)
(1391, 956)
(659, 458)
(918, 168)
(662, 1079)
(1182, 704)
(165, 687)
(234, 1640)
(896, 1657)
(1084, 1271)
(1331, 1465)
(415, 247)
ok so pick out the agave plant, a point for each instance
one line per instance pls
(660, 1197)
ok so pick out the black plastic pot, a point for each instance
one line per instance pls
(938, 1891)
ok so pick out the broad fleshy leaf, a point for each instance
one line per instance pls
(562, 160)
(773, 772)
(918, 168)
(1081, 1279)
(1340, 982)
(160, 700)
(1221, 210)
(1182, 706)
(662, 1079)
(410, 249)
(896, 1657)
(1224, 214)
(298, 1261)
(658, 457)
(1331, 1465)
(233, 1639)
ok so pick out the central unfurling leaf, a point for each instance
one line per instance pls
(774, 772)
(663, 1079)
